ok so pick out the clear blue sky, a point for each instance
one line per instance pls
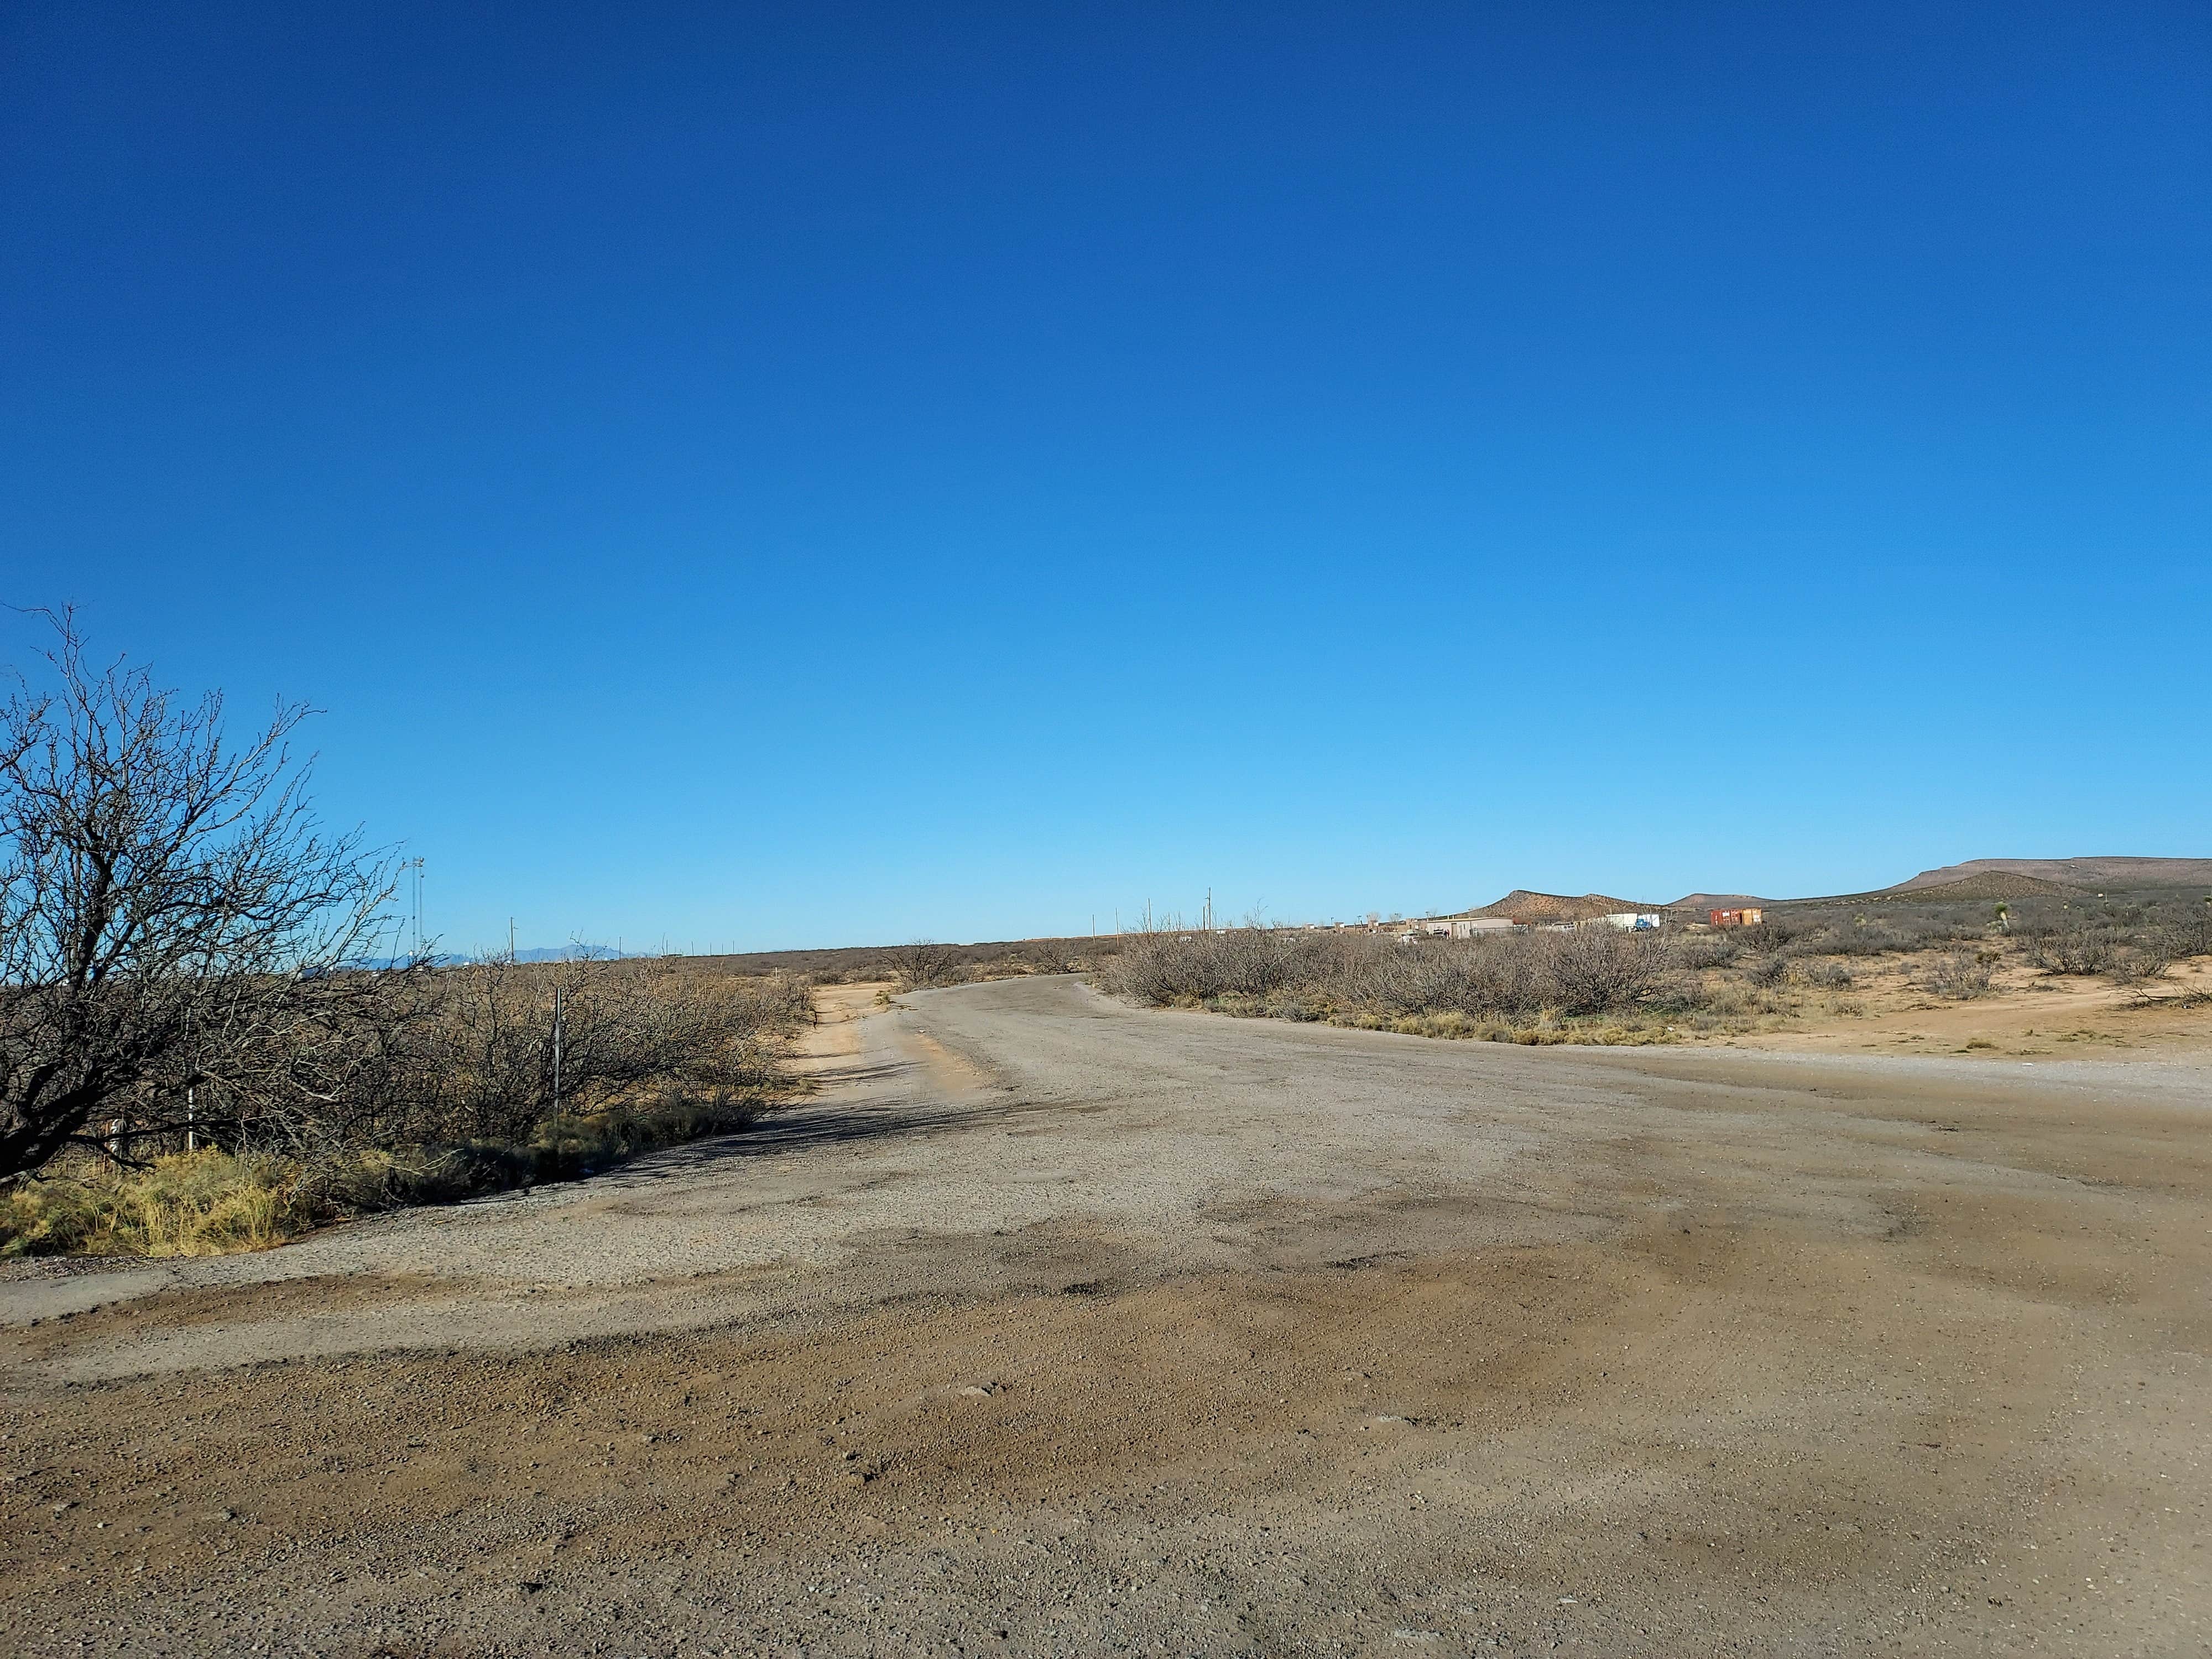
(822, 474)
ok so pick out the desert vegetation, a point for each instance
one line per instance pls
(208, 1036)
(922, 963)
(1597, 984)
(458, 1097)
(1529, 987)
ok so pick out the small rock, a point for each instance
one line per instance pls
(980, 1389)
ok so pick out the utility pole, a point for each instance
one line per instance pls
(510, 939)
(411, 871)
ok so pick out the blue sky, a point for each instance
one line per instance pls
(834, 474)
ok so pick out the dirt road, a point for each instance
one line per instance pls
(1051, 1326)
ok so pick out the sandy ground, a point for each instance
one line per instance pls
(2027, 1015)
(1051, 1326)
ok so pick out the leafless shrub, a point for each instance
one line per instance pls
(1867, 939)
(2146, 958)
(1701, 951)
(1764, 937)
(2073, 950)
(1827, 976)
(1594, 969)
(1048, 956)
(1166, 966)
(1960, 977)
(1768, 971)
(1590, 971)
(480, 1062)
(925, 963)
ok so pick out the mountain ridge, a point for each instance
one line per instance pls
(2108, 871)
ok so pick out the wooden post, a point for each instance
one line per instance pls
(557, 1051)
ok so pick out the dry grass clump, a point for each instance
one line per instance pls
(212, 1203)
(206, 1203)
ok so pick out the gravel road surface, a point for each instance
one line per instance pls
(1053, 1327)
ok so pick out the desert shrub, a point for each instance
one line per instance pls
(1697, 951)
(457, 1098)
(476, 1063)
(1960, 977)
(2074, 948)
(1048, 957)
(1731, 999)
(1594, 969)
(1766, 937)
(1868, 939)
(1827, 976)
(957, 964)
(1166, 966)
(1890, 928)
(2144, 959)
(1768, 971)
(1584, 972)
(925, 963)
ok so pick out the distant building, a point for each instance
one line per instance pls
(1479, 926)
(1637, 922)
(1750, 917)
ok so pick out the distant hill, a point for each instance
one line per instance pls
(1985, 885)
(2092, 873)
(1717, 902)
(1978, 888)
(1522, 905)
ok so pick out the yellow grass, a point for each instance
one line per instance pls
(192, 1204)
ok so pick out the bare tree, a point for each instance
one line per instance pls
(179, 941)
(924, 963)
